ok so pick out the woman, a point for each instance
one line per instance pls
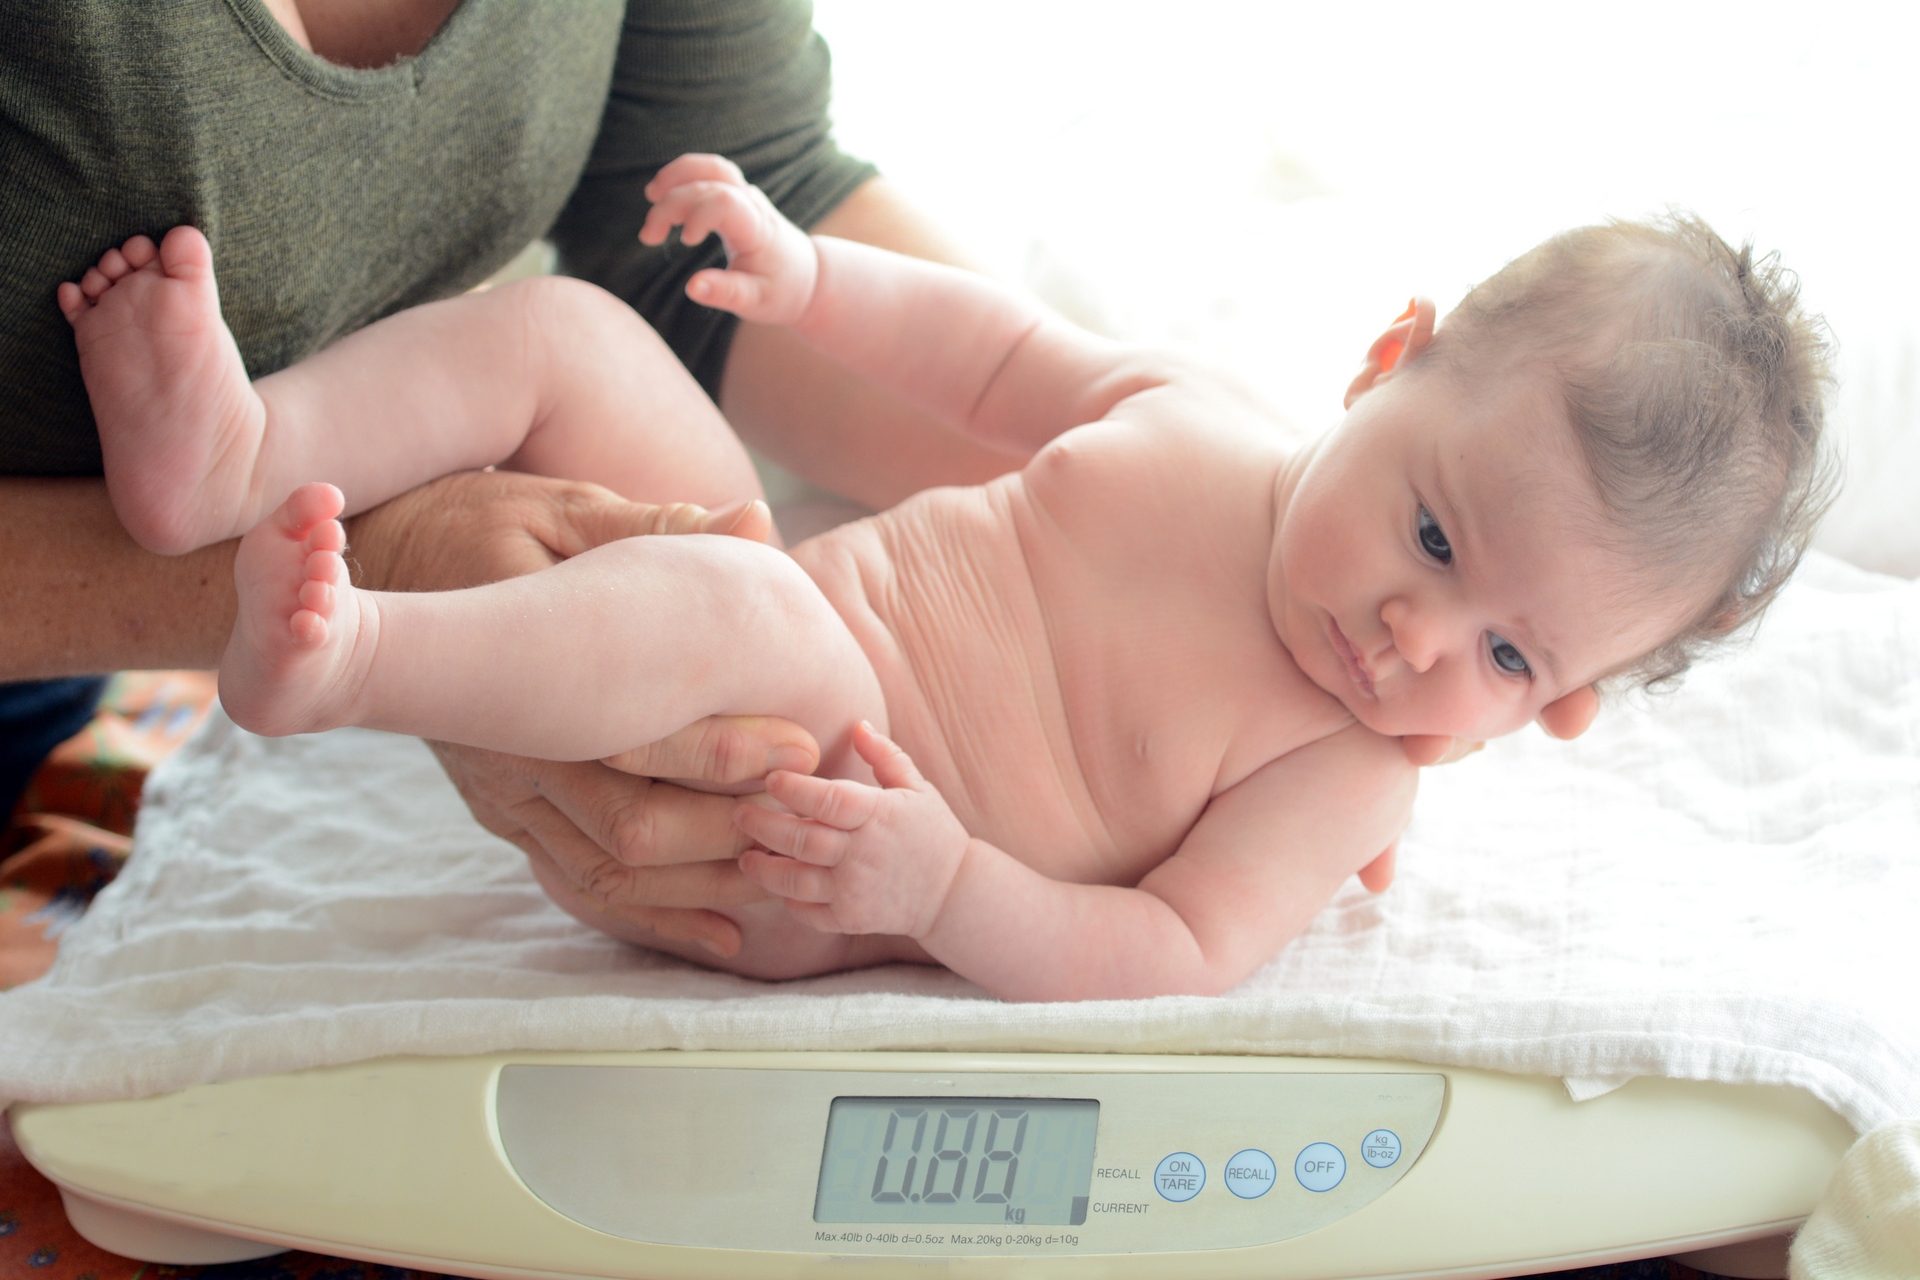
(348, 158)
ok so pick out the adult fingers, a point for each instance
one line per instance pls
(643, 926)
(721, 750)
(641, 822)
(786, 878)
(593, 519)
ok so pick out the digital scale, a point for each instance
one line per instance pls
(707, 1165)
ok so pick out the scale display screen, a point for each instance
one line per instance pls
(957, 1160)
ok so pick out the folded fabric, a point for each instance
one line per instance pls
(1717, 884)
(1868, 1225)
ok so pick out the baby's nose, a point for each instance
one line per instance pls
(1419, 635)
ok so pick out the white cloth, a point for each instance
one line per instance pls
(1868, 1225)
(1717, 885)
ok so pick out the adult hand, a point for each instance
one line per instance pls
(623, 852)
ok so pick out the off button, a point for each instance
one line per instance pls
(1179, 1177)
(1320, 1167)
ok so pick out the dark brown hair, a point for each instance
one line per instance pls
(1697, 389)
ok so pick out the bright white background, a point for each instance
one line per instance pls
(1272, 181)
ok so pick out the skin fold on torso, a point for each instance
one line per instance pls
(1080, 656)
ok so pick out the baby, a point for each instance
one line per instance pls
(1116, 725)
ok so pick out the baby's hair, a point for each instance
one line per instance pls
(1697, 389)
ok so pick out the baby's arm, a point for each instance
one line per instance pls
(978, 356)
(1262, 860)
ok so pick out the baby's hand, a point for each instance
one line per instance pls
(859, 859)
(771, 264)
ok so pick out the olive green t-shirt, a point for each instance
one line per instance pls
(334, 196)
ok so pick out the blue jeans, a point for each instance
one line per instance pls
(35, 717)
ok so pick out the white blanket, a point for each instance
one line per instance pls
(1718, 885)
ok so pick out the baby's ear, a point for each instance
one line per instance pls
(1405, 338)
(1571, 714)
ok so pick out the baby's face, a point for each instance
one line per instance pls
(1436, 563)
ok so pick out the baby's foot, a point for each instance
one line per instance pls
(180, 424)
(304, 636)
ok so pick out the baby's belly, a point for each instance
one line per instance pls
(938, 594)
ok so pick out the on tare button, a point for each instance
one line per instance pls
(1179, 1177)
(1320, 1167)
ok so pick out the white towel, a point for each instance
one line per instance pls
(1719, 885)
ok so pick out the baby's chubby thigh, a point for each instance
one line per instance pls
(633, 640)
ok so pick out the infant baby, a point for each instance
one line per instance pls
(1116, 725)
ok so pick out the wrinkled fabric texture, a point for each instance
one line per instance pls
(1716, 886)
(1868, 1225)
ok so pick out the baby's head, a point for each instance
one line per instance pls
(1606, 460)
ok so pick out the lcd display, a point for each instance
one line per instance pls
(957, 1160)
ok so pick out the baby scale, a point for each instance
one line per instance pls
(671, 1165)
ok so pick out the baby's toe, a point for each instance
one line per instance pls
(139, 251)
(114, 264)
(309, 629)
(93, 284)
(316, 597)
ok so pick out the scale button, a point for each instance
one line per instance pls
(1250, 1174)
(1320, 1167)
(1381, 1148)
(1180, 1176)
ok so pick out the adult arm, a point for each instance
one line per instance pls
(79, 597)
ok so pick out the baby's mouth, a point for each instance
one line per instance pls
(1356, 669)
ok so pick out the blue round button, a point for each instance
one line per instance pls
(1250, 1174)
(1320, 1167)
(1179, 1177)
(1381, 1148)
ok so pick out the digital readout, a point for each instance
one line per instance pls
(957, 1160)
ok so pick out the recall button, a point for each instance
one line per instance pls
(1320, 1167)
(1250, 1174)
(1180, 1176)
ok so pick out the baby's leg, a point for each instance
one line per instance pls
(617, 647)
(546, 375)
(551, 375)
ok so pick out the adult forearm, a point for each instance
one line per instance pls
(78, 596)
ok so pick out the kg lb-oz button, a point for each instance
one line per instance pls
(1180, 1176)
(1250, 1174)
(1381, 1148)
(1320, 1167)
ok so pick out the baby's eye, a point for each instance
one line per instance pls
(1506, 657)
(1432, 539)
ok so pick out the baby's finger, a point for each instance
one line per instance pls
(693, 168)
(815, 915)
(837, 802)
(891, 766)
(797, 837)
(727, 290)
(785, 878)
